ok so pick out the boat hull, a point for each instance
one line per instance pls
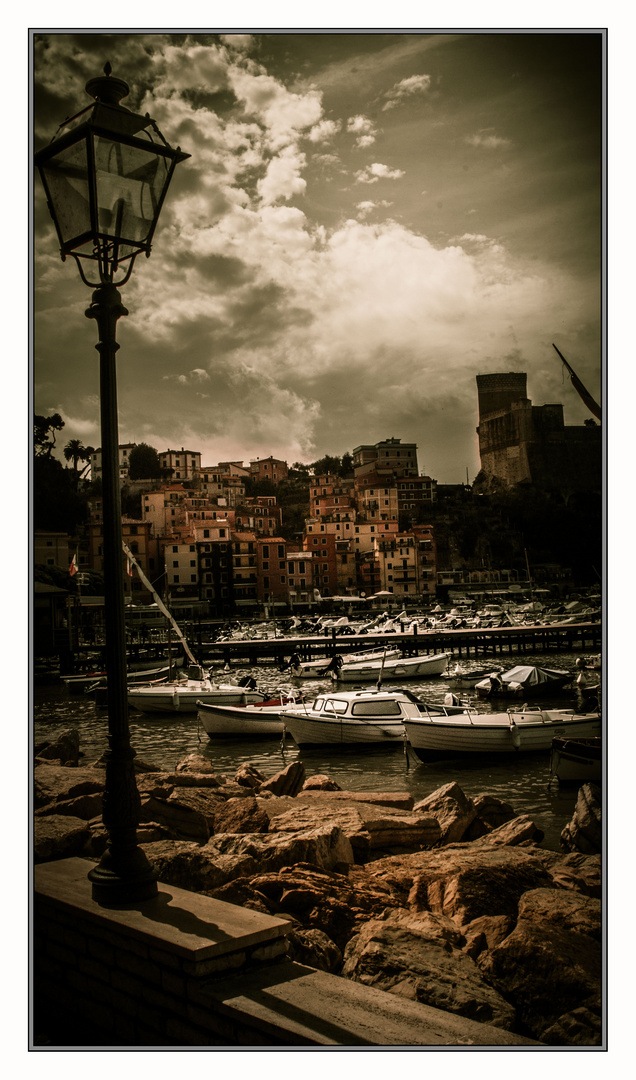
(242, 720)
(416, 667)
(576, 761)
(501, 733)
(175, 699)
(307, 731)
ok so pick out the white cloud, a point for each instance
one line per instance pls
(406, 88)
(372, 173)
(487, 141)
(324, 130)
(364, 130)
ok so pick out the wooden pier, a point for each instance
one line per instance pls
(577, 637)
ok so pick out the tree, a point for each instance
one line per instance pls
(75, 451)
(143, 463)
(44, 433)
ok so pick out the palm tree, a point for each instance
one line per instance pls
(74, 451)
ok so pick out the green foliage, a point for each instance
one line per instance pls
(143, 463)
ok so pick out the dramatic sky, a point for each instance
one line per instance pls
(367, 221)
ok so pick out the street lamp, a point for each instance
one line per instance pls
(106, 173)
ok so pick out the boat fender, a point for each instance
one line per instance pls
(451, 699)
(175, 700)
(515, 735)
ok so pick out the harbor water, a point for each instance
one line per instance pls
(163, 739)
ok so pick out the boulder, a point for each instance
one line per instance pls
(195, 763)
(83, 806)
(463, 881)
(486, 933)
(64, 747)
(326, 900)
(59, 836)
(182, 820)
(550, 966)
(287, 782)
(239, 816)
(579, 872)
(452, 809)
(56, 783)
(490, 813)
(249, 776)
(369, 828)
(584, 832)
(519, 830)
(421, 958)
(320, 782)
(315, 948)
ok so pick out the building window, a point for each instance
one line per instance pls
(175, 563)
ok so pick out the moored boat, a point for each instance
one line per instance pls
(576, 761)
(523, 681)
(183, 696)
(352, 718)
(317, 669)
(256, 719)
(529, 730)
(409, 667)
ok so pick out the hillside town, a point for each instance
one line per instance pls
(266, 538)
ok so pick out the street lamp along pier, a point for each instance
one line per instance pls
(106, 173)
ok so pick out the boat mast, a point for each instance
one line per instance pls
(580, 389)
(159, 602)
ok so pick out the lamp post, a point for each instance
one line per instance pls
(106, 173)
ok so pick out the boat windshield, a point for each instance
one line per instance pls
(376, 708)
(334, 705)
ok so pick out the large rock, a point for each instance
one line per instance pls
(453, 810)
(183, 821)
(64, 747)
(226, 856)
(463, 881)
(368, 827)
(315, 948)
(56, 783)
(59, 836)
(239, 816)
(287, 782)
(421, 958)
(584, 832)
(550, 966)
(519, 830)
(490, 813)
(580, 872)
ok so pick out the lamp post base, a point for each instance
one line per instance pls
(123, 877)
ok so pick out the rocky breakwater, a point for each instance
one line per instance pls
(450, 902)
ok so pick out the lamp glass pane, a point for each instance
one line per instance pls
(130, 182)
(66, 176)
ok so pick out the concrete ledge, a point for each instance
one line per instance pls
(297, 1005)
(194, 928)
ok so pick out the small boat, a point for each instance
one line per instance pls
(410, 667)
(351, 718)
(318, 669)
(82, 684)
(466, 680)
(257, 719)
(523, 681)
(184, 695)
(576, 761)
(442, 733)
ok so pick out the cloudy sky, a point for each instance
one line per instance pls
(367, 221)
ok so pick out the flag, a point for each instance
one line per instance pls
(73, 567)
(129, 568)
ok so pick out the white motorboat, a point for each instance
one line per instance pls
(352, 718)
(184, 695)
(409, 667)
(256, 719)
(447, 733)
(318, 669)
